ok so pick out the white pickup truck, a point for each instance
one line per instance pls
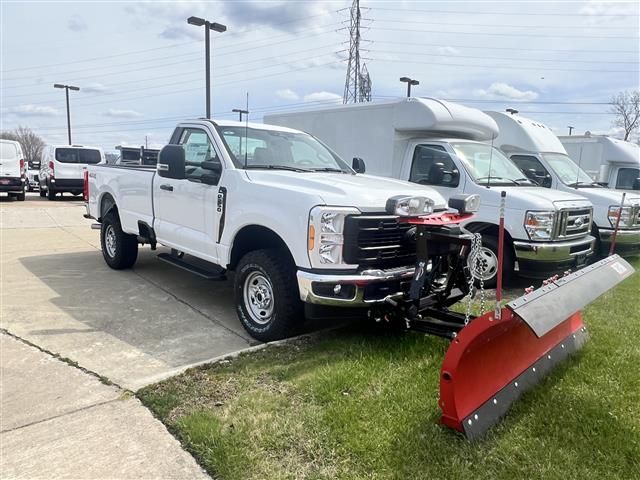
(296, 223)
(445, 145)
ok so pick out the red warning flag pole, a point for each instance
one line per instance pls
(498, 310)
(615, 230)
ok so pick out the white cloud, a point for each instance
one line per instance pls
(95, 88)
(76, 24)
(287, 94)
(504, 90)
(112, 112)
(601, 12)
(175, 32)
(448, 50)
(33, 111)
(323, 97)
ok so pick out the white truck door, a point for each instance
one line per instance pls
(431, 164)
(185, 210)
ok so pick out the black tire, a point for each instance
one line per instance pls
(51, 195)
(42, 191)
(283, 314)
(490, 254)
(21, 196)
(119, 249)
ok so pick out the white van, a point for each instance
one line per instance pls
(535, 149)
(62, 168)
(609, 161)
(12, 169)
(441, 144)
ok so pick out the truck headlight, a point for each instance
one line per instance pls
(540, 225)
(325, 237)
(409, 206)
(625, 215)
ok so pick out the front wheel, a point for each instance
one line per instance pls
(119, 249)
(267, 299)
(486, 264)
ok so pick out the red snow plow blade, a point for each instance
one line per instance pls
(491, 362)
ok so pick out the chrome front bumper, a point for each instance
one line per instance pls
(351, 290)
(554, 251)
(623, 237)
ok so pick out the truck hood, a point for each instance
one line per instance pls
(532, 198)
(366, 192)
(606, 197)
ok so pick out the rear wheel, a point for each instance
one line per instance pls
(487, 262)
(21, 196)
(267, 299)
(119, 249)
(51, 195)
(42, 191)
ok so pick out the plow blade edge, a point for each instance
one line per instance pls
(491, 362)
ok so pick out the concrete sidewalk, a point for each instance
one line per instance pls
(57, 421)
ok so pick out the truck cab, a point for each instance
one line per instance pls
(611, 162)
(446, 147)
(542, 158)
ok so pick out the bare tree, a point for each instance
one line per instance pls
(626, 107)
(32, 144)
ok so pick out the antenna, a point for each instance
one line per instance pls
(246, 131)
(490, 159)
(578, 170)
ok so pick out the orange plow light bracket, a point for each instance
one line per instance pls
(491, 363)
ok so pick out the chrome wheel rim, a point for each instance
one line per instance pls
(484, 265)
(110, 241)
(258, 297)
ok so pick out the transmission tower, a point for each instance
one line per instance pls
(357, 85)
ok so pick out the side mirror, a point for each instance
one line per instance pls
(210, 178)
(636, 184)
(171, 160)
(358, 165)
(451, 178)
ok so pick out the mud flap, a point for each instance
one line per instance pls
(491, 362)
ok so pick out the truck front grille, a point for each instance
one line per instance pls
(377, 241)
(575, 222)
(635, 215)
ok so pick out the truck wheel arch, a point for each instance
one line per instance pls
(107, 203)
(490, 229)
(255, 237)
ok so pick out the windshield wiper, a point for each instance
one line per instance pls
(497, 178)
(277, 167)
(583, 184)
(328, 169)
(523, 179)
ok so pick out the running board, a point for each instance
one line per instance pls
(216, 275)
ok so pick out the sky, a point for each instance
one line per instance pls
(140, 66)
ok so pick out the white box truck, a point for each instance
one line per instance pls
(441, 144)
(536, 150)
(609, 161)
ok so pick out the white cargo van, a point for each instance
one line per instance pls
(609, 161)
(542, 158)
(62, 168)
(441, 144)
(12, 169)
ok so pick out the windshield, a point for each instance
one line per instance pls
(567, 170)
(282, 150)
(487, 165)
(77, 155)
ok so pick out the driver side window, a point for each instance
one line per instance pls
(197, 149)
(432, 165)
(533, 169)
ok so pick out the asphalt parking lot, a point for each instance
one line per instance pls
(133, 327)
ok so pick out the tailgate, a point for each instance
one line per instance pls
(9, 161)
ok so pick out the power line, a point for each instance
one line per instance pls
(496, 25)
(519, 13)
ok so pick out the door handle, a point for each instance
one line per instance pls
(167, 187)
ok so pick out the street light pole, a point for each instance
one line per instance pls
(409, 82)
(217, 27)
(570, 129)
(240, 112)
(67, 88)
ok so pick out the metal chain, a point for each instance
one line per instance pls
(475, 271)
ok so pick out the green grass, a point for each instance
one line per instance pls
(362, 403)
